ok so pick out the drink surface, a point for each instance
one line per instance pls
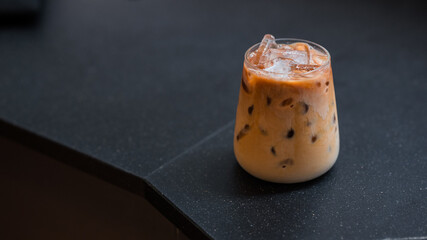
(286, 124)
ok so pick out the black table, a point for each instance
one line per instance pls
(143, 95)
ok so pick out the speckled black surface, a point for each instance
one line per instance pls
(119, 81)
(368, 194)
(144, 92)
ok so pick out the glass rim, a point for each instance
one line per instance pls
(293, 40)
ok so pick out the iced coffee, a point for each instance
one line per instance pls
(286, 123)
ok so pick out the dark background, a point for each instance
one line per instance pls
(143, 94)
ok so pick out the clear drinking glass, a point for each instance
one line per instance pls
(287, 125)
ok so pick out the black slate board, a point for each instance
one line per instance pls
(361, 197)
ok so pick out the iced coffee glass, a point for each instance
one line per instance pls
(286, 123)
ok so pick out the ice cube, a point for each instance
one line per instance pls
(303, 47)
(267, 42)
(272, 54)
(303, 67)
(318, 58)
(279, 65)
(284, 47)
(251, 57)
(300, 46)
(300, 57)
